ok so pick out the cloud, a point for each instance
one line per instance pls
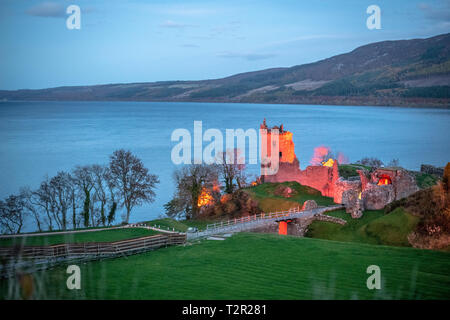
(47, 10)
(174, 25)
(437, 14)
(183, 11)
(306, 38)
(232, 29)
(189, 45)
(246, 56)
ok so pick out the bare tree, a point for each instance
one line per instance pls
(232, 170)
(394, 163)
(371, 162)
(134, 182)
(76, 197)
(85, 182)
(94, 213)
(12, 214)
(42, 198)
(61, 195)
(100, 175)
(31, 204)
(112, 196)
(190, 181)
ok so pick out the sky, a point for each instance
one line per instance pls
(141, 41)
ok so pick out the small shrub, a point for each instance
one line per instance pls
(371, 162)
(347, 171)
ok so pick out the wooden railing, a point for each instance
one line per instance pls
(92, 249)
(255, 221)
(262, 216)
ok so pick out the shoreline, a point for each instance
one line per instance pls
(412, 106)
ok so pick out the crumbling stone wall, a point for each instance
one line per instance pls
(405, 184)
(349, 198)
(309, 205)
(427, 168)
(321, 178)
(328, 182)
(376, 197)
(271, 227)
(286, 172)
(363, 177)
(327, 218)
(318, 177)
(343, 186)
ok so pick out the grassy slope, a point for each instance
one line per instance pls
(374, 227)
(269, 202)
(257, 266)
(93, 236)
(425, 180)
(350, 170)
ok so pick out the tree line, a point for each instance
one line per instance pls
(87, 196)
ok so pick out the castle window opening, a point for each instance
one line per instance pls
(384, 180)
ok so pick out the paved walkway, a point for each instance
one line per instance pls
(157, 229)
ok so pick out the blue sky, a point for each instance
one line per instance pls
(139, 41)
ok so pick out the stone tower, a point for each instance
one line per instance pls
(286, 145)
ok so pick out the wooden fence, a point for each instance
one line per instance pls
(90, 250)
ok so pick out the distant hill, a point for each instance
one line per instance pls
(403, 72)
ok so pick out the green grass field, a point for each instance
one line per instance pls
(269, 202)
(255, 266)
(330, 263)
(93, 236)
(374, 227)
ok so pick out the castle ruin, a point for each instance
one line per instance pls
(369, 191)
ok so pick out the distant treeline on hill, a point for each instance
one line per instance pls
(403, 72)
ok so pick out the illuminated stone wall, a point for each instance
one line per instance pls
(327, 181)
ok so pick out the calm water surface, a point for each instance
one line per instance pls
(39, 138)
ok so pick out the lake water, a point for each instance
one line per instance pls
(39, 138)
